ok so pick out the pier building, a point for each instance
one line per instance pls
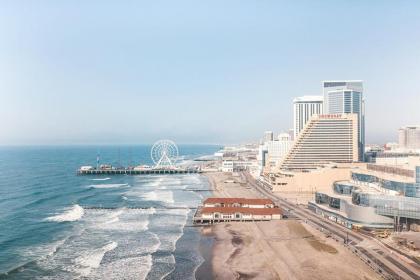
(220, 209)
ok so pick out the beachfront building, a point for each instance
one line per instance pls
(238, 202)
(262, 156)
(236, 164)
(325, 139)
(346, 97)
(377, 196)
(277, 149)
(303, 109)
(230, 209)
(268, 136)
(237, 214)
(307, 181)
(271, 153)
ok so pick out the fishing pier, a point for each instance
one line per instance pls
(124, 171)
(164, 154)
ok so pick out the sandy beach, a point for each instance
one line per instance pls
(285, 249)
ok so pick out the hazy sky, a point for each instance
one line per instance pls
(198, 71)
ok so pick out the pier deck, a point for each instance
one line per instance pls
(136, 172)
(137, 208)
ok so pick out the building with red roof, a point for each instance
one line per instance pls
(238, 202)
(229, 209)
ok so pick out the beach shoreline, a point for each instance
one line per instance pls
(206, 244)
(206, 249)
(278, 249)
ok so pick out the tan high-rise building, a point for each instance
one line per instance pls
(325, 138)
(409, 137)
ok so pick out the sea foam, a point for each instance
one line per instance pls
(101, 179)
(108, 186)
(129, 268)
(72, 214)
(93, 259)
(164, 196)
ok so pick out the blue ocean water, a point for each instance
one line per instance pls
(47, 230)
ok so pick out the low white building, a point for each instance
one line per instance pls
(227, 165)
(86, 168)
(235, 165)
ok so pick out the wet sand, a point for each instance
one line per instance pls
(205, 270)
(285, 249)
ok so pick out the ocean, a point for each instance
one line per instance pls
(48, 231)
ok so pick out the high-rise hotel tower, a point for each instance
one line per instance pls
(325, 139)
(303, 109)
(346, 97)
(409, 137)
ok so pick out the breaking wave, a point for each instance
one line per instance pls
(92, 259)
(72, 214)
(101, 179)
(108, 186)
(164, 196)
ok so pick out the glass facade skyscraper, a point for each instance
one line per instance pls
(346, 97)
(418, 175)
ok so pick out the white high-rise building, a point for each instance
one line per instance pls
(346, 97)
(262, 156)
(268, 136)
(278, 148)
(325, 139)
(409, 137)
(292, 134)
(303, 109)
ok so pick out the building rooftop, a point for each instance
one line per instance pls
(231, 200)
(309, 98)
(411, 127)
(232, 210)
(372, 188)
(386, 175)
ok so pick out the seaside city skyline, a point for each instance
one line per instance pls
(199, 64)
(184, 140)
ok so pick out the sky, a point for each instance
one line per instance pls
(133, 72)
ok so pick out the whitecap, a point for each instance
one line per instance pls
(101, 179)
(108, 186)
(164, 196)
(136, 220)
(70, 215)
(118, 225)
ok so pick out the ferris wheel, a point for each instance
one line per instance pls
(164, 153)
